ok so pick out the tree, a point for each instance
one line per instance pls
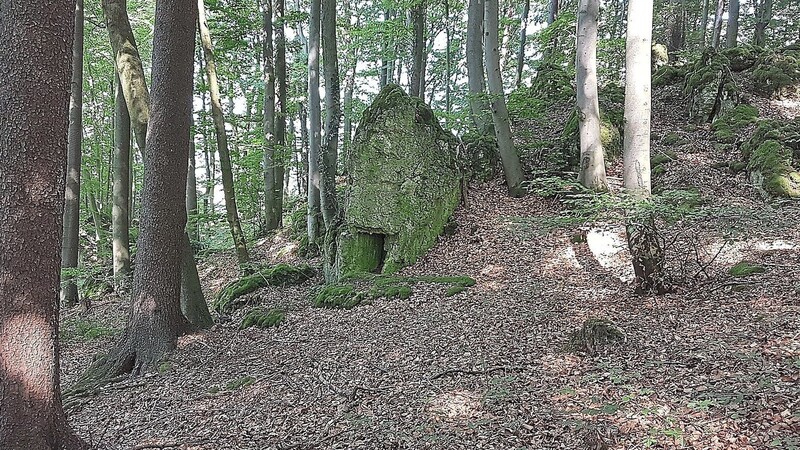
(418, 12)
(593, 171)
(475, 68)
(232, 212)
(280, 113)
(155, 320)
(733, 24)
(333, 114)
(508, 155)
(648, 256)
(272, 221)
(523, 35)
(314, 113)
(704, 24)
(69, 246)
(718, 23)
(763, 18)
(552, 11)
(191, 196)
(35, 69)
(120, 192)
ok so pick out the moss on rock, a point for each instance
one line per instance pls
(777, 73)
(669, 75)
(404, 182)
(710, 87)
(772, 154)
(728, 127)
(277, 275)
(263, 318)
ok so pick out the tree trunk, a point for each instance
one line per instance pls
(71, 241)
(704, 24)
(386, 70)
(155, 320)
(272, 221)
(732, 32)
(448, 64)
(314, 114)
(718, 23)
(418, 49)
(593, 170)
(523, 36)
(279, 166)
(129, 67)
(193, 303)
(232, 212)
(479, 107)
(763, 18)
(35, 71)
(643, 241)
(552, 11)
(508, 154)
(121, 189)
(333, 115)
(303, 175)
(349, 88)
(191, 196)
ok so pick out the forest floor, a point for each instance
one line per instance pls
(715, 364)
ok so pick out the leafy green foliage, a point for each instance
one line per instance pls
(745, 269)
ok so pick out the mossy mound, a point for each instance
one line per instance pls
(659, 160)
(594, 334)
(403, 184)
(669, 75)
(368, 287)
(742, 57)
(710, 87)
(263, 318)
(728, 127)
(673, 138)
(745, 269)
(277, 275)
(777, 73)
(772, 155)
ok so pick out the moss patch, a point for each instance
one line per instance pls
(368, 287)
(729, 126)
(710, 87)
(337, 296)
(745, 269)
(263, 318)
(84, 330)
(593, 335)
(277, 275)
(660, 160)
(239, 383)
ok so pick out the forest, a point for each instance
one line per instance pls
(417, 224)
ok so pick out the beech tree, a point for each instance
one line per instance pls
(69, 246)
(314, 133)
(763, 17)
(508, 154)
(35, 69)
(120, 194)
(732, 31)
(592, 167)
(329, 149)
(475, 68)
(418, 12)
(717, 31)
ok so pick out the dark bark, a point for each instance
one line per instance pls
(418, 12)
(479, 107)
(314, 113)
(333, 115)
(193, 303)
(120, 194)
(272, 221)
(191, 196)
(302, 176)
(523, 36)
(763, 18)
(648, 256)
(349, 88)
(279, 166)
(35, 72)
(732, 32)
(70, 243)
(155, 320)
(552, 11)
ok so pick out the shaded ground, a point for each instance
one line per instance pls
(715, 364)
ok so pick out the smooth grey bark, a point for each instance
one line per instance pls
(704, 24)
(732, 32)
(35, 75)
(314, 133)
(71, 226)
(232, 211)
(272, 221)
(386, 71)
(592, 169)
(129, 67)
(349, 88)
(193, 303)
(418, 12)
(120, 193)
(523, 36)
(718, 23)
(279, 163)
(479, 107)
(302, 113)
(552, 11)
(508, 154)
(191, 195)
(333, 114)
(763, 18)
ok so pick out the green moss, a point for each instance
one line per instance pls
(778, 71)
(594, 334)
(673, 138)
(263, 318)
(659, 161)
(337, 296)
(742, 57)
(239, 383)
(85, 330)
(770, 164)
(400, 291)
(710, 88)
(668, 75)
(745, 269)
(453, 290)
(277, 275)
(165, 367)
(729, 126)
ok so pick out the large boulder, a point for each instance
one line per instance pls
(403, 184)
(710, 88)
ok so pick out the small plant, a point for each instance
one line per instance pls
(745, 269)
(239, 383)
(594, 334)
(86, 330)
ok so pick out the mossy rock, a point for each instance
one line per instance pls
(594, 334)
(337, 296)
(277, 275)
(742, 57)
(669, 75)
(710, 87)
(659, 160)
(745, 269)
(403, 184)
(770, 168)
(728, 127)
(263, 318)
(673, 138)
(659, 56)
(777, 73)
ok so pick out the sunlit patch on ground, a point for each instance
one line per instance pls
(562, 259)
(610, 248)
(456, 405)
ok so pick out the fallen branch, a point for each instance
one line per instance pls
(163, 445)
(477, 372)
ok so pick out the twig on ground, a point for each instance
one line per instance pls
(477, 372)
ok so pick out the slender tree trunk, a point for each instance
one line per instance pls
(479, 107)
(231, 209)
(732, 32)
(70, 243)
(191, 195)
(303, 176)
(386, 71)
(272, 221)
(349, 88)
(646, 251)
(552, 11)
(280, 109)
(155, 320)
(35, 73)
(593, 170)
(314, 114)
(508, 154)
(718, 23)
(448, 58)
(763, 18)
(129, 67)
(418, 49)
(523, 36)
(704, 24)
(333, 115)
(120, 220)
